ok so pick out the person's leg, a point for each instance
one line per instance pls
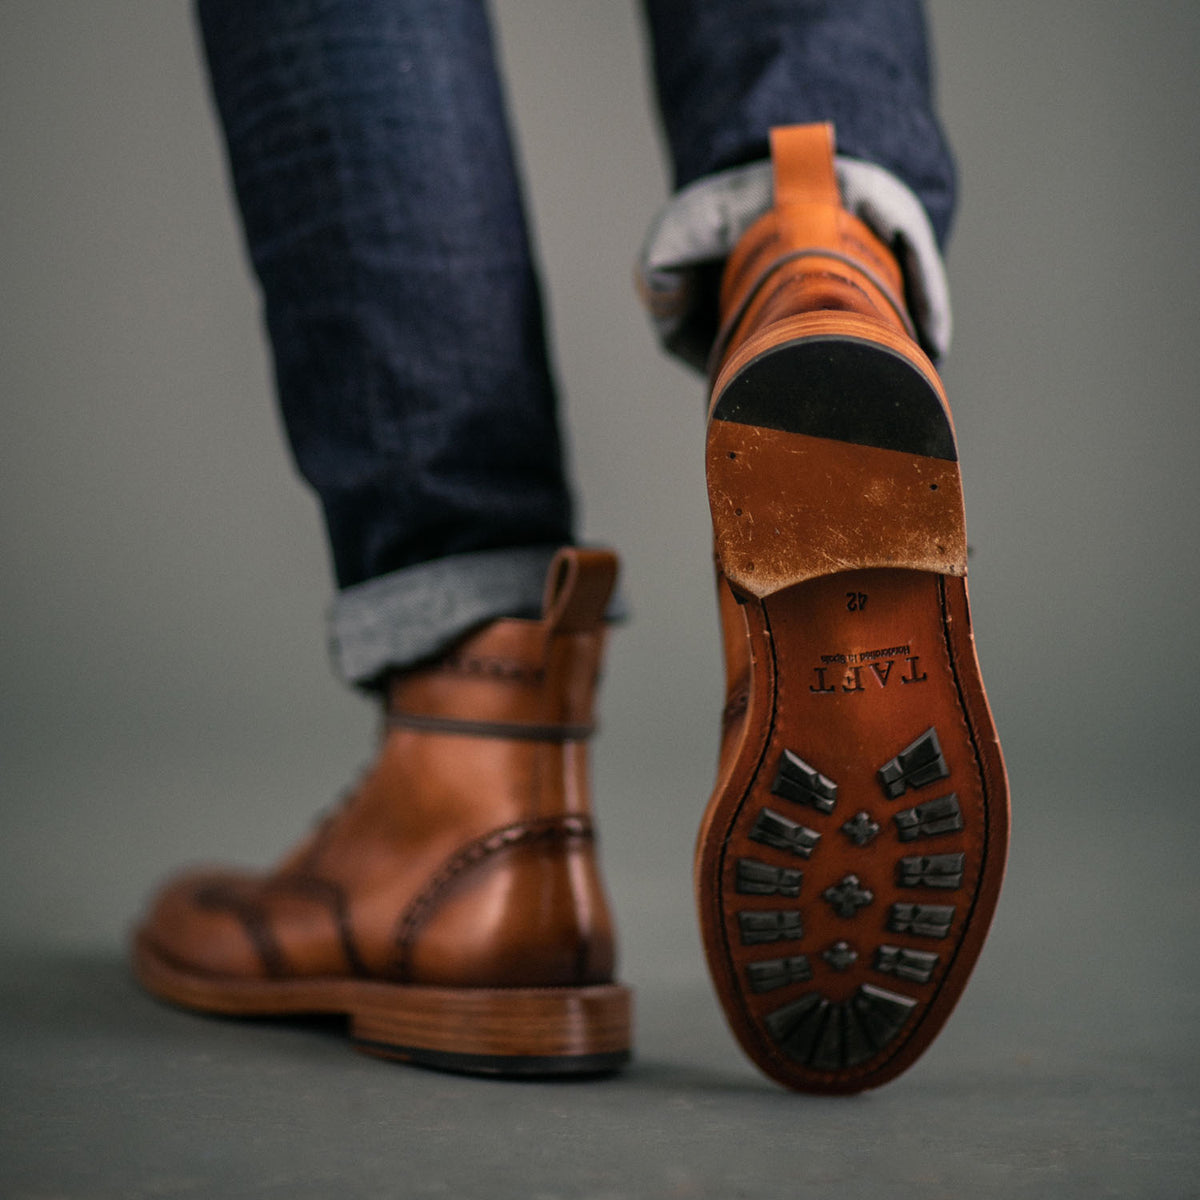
(726, 74)
(452, 905)
(851, 854)
(383, 216)
(729, 72)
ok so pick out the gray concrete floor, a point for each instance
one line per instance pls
(1071, 1069)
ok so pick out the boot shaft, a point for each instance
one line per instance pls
(465, 857)
(806, 254)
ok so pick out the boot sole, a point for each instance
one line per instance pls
(851, 857)
(583, 1031)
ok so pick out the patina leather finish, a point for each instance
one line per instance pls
(456, 892)
(852, 853)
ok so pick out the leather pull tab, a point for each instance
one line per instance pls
(579, 586)
(802, 156)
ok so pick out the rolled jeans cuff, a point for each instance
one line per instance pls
(699, 227)
(406, 617)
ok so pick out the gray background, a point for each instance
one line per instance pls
(167, 698)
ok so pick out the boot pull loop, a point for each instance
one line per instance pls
(579, 585)
(802, 156)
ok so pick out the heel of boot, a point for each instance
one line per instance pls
(831, 450)
(498, 1031)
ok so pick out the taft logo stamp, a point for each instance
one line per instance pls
(863, 669)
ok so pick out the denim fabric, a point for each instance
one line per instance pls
(403, 618)
(382, 212)
(699, 227)
(729, 70)
(371, 160)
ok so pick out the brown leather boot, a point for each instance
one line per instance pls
(452, 907)
(852, 853)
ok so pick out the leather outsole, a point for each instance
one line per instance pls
(849, 865)
(580, 1031)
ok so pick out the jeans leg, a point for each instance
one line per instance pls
(728, 70)
(373, 168)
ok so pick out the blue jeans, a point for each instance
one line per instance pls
(374, 172)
